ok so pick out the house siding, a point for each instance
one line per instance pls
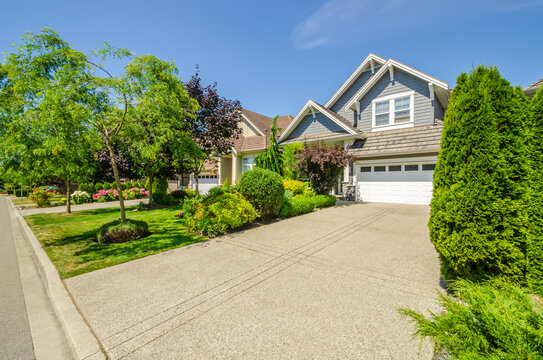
(439, 113)
(320, 124)
(339, 105)
(424, 109)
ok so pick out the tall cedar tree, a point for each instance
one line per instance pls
(478, 218)
(215, 126)
(323, 165)
(272, 159)
(535, 161)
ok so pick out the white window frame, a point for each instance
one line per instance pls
(392, 111)
(251, 164)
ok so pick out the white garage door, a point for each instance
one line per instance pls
(407, 183)
(206, 182)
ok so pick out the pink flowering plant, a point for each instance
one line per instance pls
(106, 195)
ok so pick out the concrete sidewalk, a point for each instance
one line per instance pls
(61, 209)
(15, 338)
(325, 285)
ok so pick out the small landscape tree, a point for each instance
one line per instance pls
(272, 159)
(323, 164)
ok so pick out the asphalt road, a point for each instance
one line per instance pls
(15, 337)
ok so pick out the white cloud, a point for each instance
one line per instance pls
(337, 19)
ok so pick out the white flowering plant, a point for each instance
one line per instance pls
(81, 197)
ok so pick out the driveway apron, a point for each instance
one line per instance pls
(325, 285)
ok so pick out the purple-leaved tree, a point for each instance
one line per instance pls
(215, 126)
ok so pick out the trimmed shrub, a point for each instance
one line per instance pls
(21, 193)
(535, 161)
(216, 191)
(164, 199)
(296, 206)
(106, 186)
(294, 186)
(118, 232)
(190, 192)
(189, 206)
(82, 187)
(160, 186)
(322, 201)
(478, 217)
(180, 195)
(263, 189)
(493, 320)
(219, 213)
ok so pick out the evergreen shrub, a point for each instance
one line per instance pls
(118, 232)
(491, 320)
(263, 189)
(478, 219)
(216, 214)
(534, 271)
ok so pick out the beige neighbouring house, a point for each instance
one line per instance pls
(253, 140)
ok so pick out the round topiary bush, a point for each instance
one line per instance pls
(263, 189)
(118, 232)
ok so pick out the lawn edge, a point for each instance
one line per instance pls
(82, 340)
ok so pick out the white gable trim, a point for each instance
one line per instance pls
(253, 125)
(370, 60)
(388, 67)
(310, 107)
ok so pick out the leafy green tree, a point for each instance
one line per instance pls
(535, 161)
(160, 105)
(42, 95)
(272, 159)
(478, 218)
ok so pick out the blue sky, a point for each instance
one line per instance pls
(275, 55)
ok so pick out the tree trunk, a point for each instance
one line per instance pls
(68, 198)
(151, 201)
(117, 179)
(196, 182)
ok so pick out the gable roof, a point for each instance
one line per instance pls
(312, 106)
(532, 89)
(369, 62)
(389, 66)
(250, 143)
(262, 123)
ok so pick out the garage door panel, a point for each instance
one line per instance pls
(405, 187)
(206, 182)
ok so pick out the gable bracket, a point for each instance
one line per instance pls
(391, 72)
(431, 88)
(372, 64)
(357, 104)
(312, 112)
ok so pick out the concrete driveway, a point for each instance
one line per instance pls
(324, 285)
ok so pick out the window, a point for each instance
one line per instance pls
(402, 112)
(247, 164)
(382, 113)
(411, 168)
(427, 167)
(379, 168)
(365, 169)
(395, 168)
(393, 110)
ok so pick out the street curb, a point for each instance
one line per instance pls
(82, 341)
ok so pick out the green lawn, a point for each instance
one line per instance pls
(69, 240)
(21, 201)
